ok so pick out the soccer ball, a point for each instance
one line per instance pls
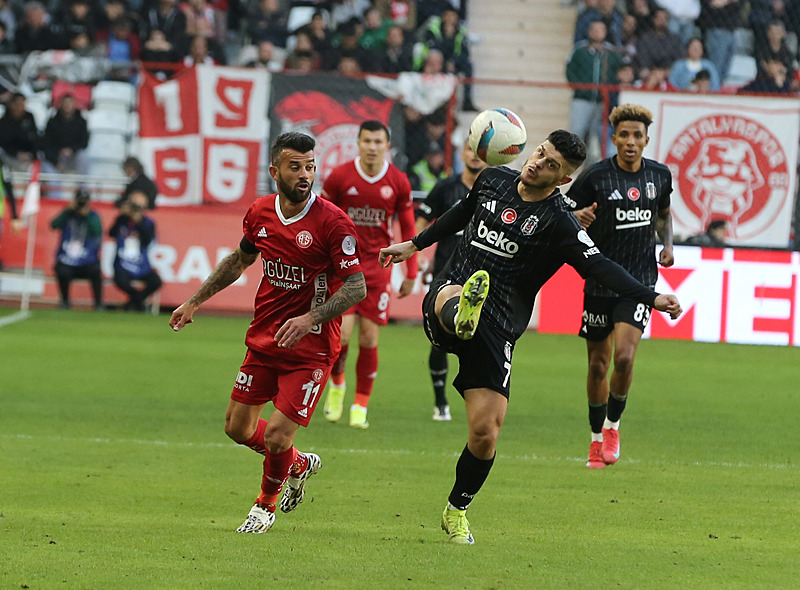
(497, 136)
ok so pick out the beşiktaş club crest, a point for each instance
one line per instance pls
(650, 190)
(728, 167)
(529, 225)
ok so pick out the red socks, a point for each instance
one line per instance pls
(276, 471)
(366, 371)
(256, 442)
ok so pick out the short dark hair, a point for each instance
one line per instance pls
(568, 145)
(374, 125)
(716, 224)
(293, 140)
(134, 164)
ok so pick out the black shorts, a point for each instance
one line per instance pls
(601, 313)
(483, 361)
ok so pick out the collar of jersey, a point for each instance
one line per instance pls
(371, 179)
(299, 216)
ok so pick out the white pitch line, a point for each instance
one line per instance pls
(407, 452)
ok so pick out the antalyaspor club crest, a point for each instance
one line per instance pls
(729, 167)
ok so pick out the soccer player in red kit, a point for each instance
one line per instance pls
(372, 192)
(311, 275)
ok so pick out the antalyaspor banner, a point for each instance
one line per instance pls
(731, 157)
(728, 295)
(202, 134)
(330, 109)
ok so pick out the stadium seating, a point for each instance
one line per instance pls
(110, 95)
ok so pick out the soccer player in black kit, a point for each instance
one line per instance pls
(517, 233)
(444, 195)
(624, 201)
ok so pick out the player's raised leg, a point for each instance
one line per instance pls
(305, 465)
(473, 295)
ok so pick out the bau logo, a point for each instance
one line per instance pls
(729, 167)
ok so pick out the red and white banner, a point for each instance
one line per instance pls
(731, 157)
(728, 295)
(202, 134)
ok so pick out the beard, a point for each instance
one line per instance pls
(295, 195)
(473, 170)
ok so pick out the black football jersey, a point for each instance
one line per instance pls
(444, 195)
(627, 209)
(521, 244)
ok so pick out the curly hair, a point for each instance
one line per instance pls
(630, 112)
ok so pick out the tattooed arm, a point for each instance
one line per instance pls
(351, 292)
(227, 271)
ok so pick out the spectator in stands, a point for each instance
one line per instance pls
(82, 46)
(685, 70)
(78, 254)
(319, 33)
(701, 83)
(6, 46)
(594, 61)
(348, 66)
(77, 19)
(402, 13)
(112, 10)
(303, 58)
(375, 29)
(266, 58)
(718, 20)
(433, 63)
(347, 47)
(9, 20)
(447, 34)
(427, 9)
(656, 78)
(713, 237)
(34, 32)
(774, 47)
(429, 170)
(630, 38)
(19, 137)
(396, 57)
(202, 18)
(607, 13)
(642, 12)
(772, 78)
(158, 49)
(65, 139)
(423, 132)
(135, 234)
(138, 182)
(268, 22)
(660, 44)
(344, 11)
(198, 52)
(764, 12)
(682, 16)
(165, 16)
(123, 47)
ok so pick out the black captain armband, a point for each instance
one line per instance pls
(247, 247)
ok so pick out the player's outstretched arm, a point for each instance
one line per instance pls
(668, 304)
(397, 253)
(353, 290)
(228, 270)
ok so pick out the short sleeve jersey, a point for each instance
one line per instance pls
(444, 195)
(371, 202)
(304, 260)
(627, 209)
(520, 243)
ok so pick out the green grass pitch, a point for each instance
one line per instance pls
(115, 471)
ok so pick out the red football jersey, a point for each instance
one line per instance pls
(304, 260)
(372, 202)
